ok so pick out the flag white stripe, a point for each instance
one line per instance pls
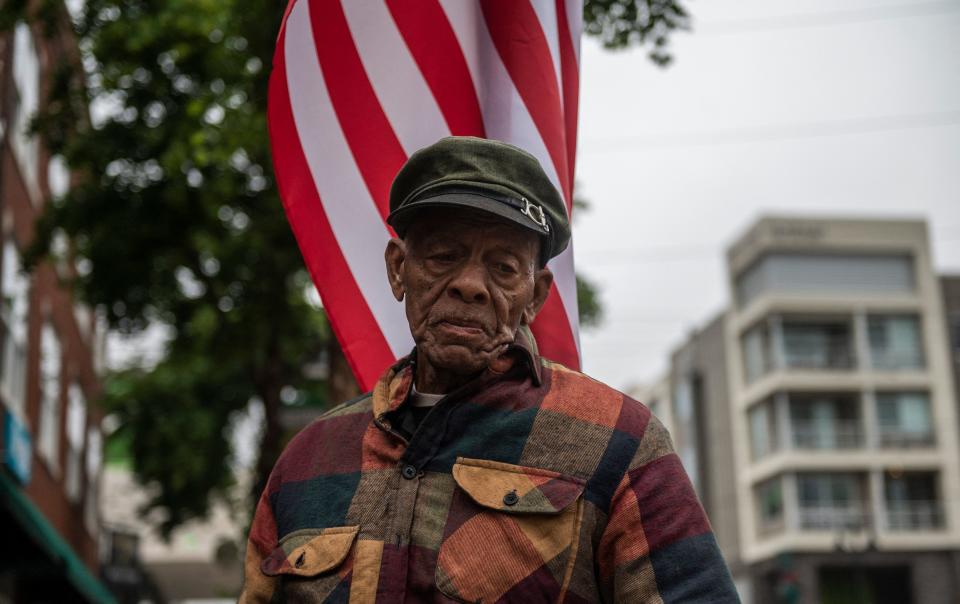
(356, 224)
(546, 11)
(575, 24)
(397, 81)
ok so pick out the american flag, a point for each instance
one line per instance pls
(359, 85)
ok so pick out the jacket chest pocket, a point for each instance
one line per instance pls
(312, 563)
(511, 533)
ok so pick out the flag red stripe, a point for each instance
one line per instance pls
(521, 44)
(570, 75)
(552, 331)
(433, 45)
(354, 325)
(372, 141)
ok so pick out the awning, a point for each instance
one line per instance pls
(47, 537)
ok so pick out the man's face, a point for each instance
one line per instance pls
(470, 279)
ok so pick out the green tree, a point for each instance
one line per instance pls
(175, 220)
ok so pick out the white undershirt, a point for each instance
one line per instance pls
(422, 399)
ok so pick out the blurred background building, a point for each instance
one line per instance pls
(50, 353)
(817, 415)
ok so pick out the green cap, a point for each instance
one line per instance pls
(486, 175)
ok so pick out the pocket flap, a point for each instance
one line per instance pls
(310, 552)
(516, 489)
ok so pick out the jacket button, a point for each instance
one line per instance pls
(511, 498)
(409, 472)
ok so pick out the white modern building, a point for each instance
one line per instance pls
(818, 416)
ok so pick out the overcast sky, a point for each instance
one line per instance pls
(812, 107)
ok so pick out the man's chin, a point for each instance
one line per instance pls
(456, 358)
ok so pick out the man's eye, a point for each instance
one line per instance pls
(505, 268)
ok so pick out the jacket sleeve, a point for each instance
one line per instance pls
(258, 587)
(658, 545)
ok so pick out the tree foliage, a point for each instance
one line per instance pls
(174, 219)
(621, 23)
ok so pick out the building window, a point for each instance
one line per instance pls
(757, 352)
(799, 274)
(817, 344)
(895, 342)
(76, 430)
(911, 501)
(825, 422)
(24, 101)
(770, 506)
(50, 365)
(831, 501)
(685, 426)
(58, 176)
(763, 430)
(14, 316)
(904, 419)
(94, 461)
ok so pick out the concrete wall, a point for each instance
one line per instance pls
(701, 361)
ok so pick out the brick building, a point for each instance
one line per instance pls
(49, 345)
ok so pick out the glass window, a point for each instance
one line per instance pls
(50, 364)
(24, 102)
(904, 419)
(76, 430)
(817, 344)
(94, 461)
(912, 501)
(830, 500)
(763, 433)
(756, 352)
(14, 316)
(824, 421)
(58, 176)
(818, 274)
(895, 342)
(685, 428)
(770, 505)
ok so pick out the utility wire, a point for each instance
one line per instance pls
(827, 18)
(776, 132)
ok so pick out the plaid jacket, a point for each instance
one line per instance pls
(536, 484)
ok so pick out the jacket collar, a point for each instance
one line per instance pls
(393, 387)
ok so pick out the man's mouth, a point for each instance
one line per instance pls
(462, 326)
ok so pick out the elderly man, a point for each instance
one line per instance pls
(477, 471)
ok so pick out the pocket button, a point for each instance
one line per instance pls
(511, 498)
(409, 472)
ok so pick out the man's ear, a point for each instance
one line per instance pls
(394, 256)
(542, 280)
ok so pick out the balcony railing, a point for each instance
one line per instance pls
(896, 359)
(831, 357)
(830, 518)
(895, 436)
(914, 515)
(840, 434)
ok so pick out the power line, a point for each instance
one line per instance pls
(777, 132)
(828, 18)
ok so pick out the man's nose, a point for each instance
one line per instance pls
(469, 285)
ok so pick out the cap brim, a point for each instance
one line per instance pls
(401, 218)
